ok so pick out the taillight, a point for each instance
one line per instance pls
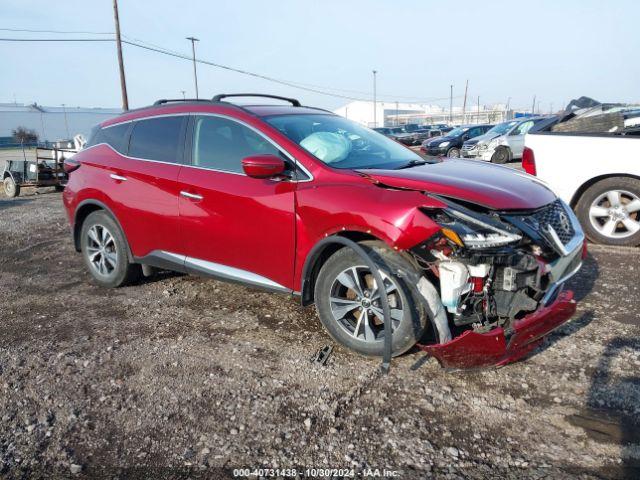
(529, 161)
(70, 165)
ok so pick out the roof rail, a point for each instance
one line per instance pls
(171, 100)
(292, 101)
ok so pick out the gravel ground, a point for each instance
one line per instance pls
(181, 377)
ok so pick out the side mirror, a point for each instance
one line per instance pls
(263, 166)
(465, 137)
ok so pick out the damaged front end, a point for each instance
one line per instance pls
(500, 277)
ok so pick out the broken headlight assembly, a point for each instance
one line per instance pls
(467, 230)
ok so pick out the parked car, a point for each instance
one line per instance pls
(450, 144)
(261, 195)
(394, 133)
(503, 143)
(597, 175)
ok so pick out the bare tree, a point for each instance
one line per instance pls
(24, 135)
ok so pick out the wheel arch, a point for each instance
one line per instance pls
(592, 181)
(324, 249)
(84, 209)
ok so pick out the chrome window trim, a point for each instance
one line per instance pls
(250, 127)
(186, 114)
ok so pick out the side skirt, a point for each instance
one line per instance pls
(204, 268)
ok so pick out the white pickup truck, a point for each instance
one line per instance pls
(597, 174)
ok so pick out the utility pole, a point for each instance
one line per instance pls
(66, 124)
(183, 94)
(464, 103)
(123, 83)
(397, 119)
(195, 72)
(375, 105)
(506, 112)
(533, 105)
(450, 104)
(478, 119)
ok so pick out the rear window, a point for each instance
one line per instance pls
(157, 139)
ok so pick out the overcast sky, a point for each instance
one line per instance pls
(557, 50)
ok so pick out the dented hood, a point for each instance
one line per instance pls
(492, 186)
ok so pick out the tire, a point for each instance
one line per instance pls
(59, 188)
(597, 211)
(409, 311)
(11, 188)
(105, 251)
(501, 155)
(453, 152)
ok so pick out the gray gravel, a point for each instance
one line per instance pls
(181, 377)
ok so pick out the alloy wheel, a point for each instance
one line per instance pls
(101, 250)
(355, 303)
(616, 214)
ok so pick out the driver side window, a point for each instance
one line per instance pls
(523, 128)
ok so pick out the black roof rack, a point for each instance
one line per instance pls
(292, 101)
(171, 100)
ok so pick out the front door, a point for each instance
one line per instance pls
(516, 138)
(234, 226)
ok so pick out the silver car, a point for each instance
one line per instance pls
(501, 144)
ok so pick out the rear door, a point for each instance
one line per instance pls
(143, 184)
(234, 226)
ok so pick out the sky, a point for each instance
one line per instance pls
(555, 50)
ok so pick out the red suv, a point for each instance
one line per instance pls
(474, 257)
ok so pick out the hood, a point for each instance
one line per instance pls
(487, 137)
(438, 140)
(492, 186)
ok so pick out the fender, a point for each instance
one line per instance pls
(102, 206)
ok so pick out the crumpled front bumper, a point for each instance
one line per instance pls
(497, 347)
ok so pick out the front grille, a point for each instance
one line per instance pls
(468, 147)
(556, 216)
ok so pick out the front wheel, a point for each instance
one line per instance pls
(11, 188)
(348, 302)
(453, 152)
(500, 156)
(609, 211)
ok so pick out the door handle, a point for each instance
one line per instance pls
(193, 196)
(118, 177)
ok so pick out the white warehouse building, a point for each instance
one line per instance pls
(396, 113)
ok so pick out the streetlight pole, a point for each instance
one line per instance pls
(375, 104)
(66, 124)
(123, 82)
(183, 94)
(193, 51)
(450, 104)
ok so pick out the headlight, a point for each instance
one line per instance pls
(443, 144)
(474, 233)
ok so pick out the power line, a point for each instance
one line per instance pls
(321, 90)
(55, 31)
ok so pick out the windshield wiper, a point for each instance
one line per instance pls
(413, 163)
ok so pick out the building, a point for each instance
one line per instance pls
(51, 123)
(396, 113)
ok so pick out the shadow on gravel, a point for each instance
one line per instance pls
(5, 203)
(582, 284)
(611, 413)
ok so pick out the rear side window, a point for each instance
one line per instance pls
(115, 136)
(157, 139)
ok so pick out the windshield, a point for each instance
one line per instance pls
(502, 128)
(456, 132)
(341, 143)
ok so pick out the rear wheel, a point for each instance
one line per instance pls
(348, 302)
(105, 251)
(609, 211)
(11, 188)
(453, 152)
(501, 155)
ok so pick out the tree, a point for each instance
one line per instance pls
(24, 135)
